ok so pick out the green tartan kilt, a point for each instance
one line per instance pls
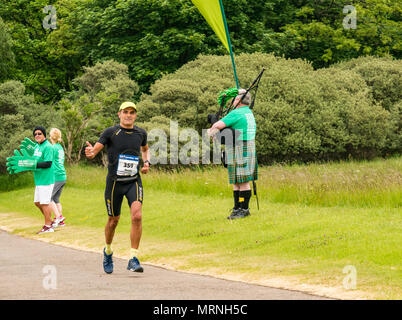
(242, 162)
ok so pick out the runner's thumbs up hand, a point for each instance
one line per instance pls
(89, 150)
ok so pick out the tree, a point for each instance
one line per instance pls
(156, 37)
(151, 37)
(318, 32)
(46, 64)
(7, 59)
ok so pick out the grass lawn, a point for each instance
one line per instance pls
(314, 220)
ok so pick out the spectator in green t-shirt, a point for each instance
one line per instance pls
(60, 177)
(43, 176)
(241, 156)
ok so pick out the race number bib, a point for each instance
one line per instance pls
(128, 165)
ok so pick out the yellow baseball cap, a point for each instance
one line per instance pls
(128, 104)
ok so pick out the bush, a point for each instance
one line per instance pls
(383, 77)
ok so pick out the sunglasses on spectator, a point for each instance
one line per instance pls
(37, 134)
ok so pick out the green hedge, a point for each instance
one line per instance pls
(302, 114)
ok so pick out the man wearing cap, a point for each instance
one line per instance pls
(125, 144)
(43, 176)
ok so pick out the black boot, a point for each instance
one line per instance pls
(243, 213)
(239, 213)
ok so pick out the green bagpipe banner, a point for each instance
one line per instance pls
(214, 14)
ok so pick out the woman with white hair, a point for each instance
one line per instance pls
(60, 177)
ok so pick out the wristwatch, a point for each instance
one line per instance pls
(147, 161)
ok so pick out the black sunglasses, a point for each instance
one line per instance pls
(37, 134)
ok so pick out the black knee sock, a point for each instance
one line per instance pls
(244, 198)
(236, 194)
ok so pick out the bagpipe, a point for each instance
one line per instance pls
(229, 135)
(232, 93)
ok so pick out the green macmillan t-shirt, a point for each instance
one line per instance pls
(242, 119)
(59, 170)
(44, 152)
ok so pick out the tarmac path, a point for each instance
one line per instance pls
(35, 270)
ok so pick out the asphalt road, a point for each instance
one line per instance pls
(35, 270)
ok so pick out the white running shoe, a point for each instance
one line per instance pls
(58, 222)
(61, 224)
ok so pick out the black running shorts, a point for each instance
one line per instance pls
(116, 190)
